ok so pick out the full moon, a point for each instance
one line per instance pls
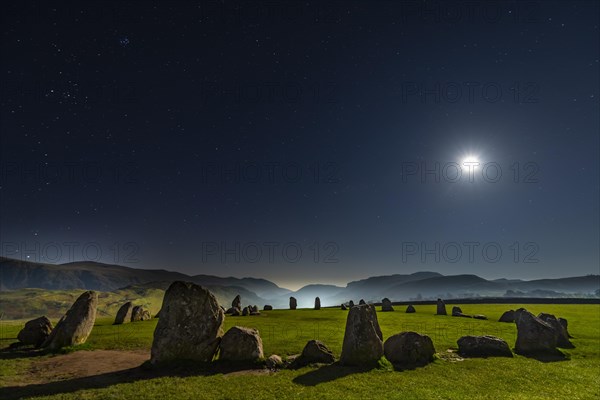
(471, 162)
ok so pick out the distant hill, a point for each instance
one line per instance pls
(16, 275)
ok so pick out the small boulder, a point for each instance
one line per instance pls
(267, 307)
(35, 331)
(508, 316)
(441, 307)
(124, 314)
(241, 344)
(456, 311)
(409, 348)
(76, 325)
(190, 325)
(363, 340)
(293, 303)
(534, 336)
(410, 309)
(317, 303)
(562, 338)
(314, 352)
(344, 307)
(483, 346)
(386, 305)
(274, 362)
(139, 313)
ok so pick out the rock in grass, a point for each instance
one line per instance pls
(441, 307)
(314, 352)
(241, 344)
(508, 316)
(267, 307)
(344, 307)
(534, 336)
(483, 346)
(139, 313)
(363, 340)
(456, 311)
(190, 325)
(35, 331)
(480, 316)
(410, 309)
(317, 303)
(565, 325)
(409, 349)
(293, 303)
(76, 325)
(124, 314)
(562, 337)
(274, 362)
(386, 305)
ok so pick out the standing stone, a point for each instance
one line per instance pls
(245, 311)
(293, 303)
(441, 307)
(267, 307)
(235, 312)
(124, 314)
(344, 307)
(410, 309)
(483, 346)
(350, 304)
(35, 331)
(254, 308)
(317, 303)
(139, 313)
(508, 316)
(237, 302)
(241, 344)
(190, 325)
(386, 305)
(363, 340)
(314, 352)
(562, 338)
(361, 302)
(409, 348)
(565, 325)
(533, 334)
(76, 325)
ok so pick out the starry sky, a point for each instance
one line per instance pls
(303, 141)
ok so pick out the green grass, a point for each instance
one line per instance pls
(286, 332)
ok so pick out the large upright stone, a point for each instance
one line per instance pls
(241, 344)
(124, 314)
(363, 340)
(317, 303)
(409, 348)
(139, 313)
(293, 303)
(565, 324)
(190, 325)
(533, 335)
(35, 331)
(562, 337)
(361, 302)
(351, 304)
(237, 302)
(386, 305)
(75, 326)
(441, 307)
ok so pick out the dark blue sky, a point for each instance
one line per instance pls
(288, 140)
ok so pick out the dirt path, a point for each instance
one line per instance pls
(81, 364)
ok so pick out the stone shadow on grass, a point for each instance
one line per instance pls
(329, 373)
(555, 356)
(143, 372)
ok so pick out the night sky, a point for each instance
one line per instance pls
(289, 140)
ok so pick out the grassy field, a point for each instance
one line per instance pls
(285, 332)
